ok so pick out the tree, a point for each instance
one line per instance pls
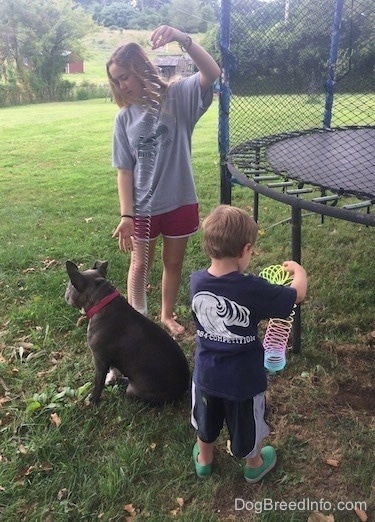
(212, 5)
(284, 45)
(142, 5)
(117, 14)
(36, 37)
(185, 15)
(208, 19)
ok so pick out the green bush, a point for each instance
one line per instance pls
(64, 91)
(3, 95)
(89, 91)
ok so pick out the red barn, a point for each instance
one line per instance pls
(74, 63)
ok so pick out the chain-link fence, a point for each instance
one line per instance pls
(297, 99)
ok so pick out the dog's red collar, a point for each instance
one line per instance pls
(106, 300)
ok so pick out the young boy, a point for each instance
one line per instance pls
(229, 379)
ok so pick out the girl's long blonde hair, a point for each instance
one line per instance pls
(132, 57)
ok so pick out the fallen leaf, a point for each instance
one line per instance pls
(62, 494)
(333, 462)
(45, 466)
(361, 514)
(129, 508)
(174, 512)
(46, 372)
(28, 270)
(55, 419)
(180, 501)
(81, 320)
(228, 448)
(48, 263)
(22, 449)
(25, 345)
(26, 472)
(4, 400)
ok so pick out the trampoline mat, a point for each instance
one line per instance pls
(340, 160)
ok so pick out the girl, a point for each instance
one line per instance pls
(152, 154)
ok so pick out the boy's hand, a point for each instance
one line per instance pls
(291, 266)
(299, 278)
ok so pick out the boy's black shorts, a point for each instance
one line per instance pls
(245, 421)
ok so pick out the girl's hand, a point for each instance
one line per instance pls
(125, 234)
(165, 34)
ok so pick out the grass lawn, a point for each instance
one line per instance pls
(63, 462)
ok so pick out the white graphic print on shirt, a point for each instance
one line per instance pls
(217, 313)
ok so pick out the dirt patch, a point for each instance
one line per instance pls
(359, 398)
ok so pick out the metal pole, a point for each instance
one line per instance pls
(296, 255)
(331, 79)
(224, 101)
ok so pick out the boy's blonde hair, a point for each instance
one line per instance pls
(132, 57)
(226, 230)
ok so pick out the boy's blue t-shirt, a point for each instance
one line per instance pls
(229, 358)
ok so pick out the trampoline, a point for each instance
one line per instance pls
(316, 170)
(297, 113)
(320, 171)
(342, 161)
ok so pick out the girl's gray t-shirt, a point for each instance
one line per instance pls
(156, 146)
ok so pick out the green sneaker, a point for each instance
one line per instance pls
(254, 475)
(202, 472)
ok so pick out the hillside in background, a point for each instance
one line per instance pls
(100, 45)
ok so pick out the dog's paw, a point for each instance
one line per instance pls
(112, 377)
(87, 404)
(92, 400)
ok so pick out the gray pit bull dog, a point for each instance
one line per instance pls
(122, 338)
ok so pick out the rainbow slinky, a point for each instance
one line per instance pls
(278, 330)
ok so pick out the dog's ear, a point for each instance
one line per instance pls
(101, 266)
(76, 278)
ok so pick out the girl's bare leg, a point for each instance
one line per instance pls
(172, 256)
